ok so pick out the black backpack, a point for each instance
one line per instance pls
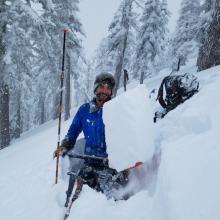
(178, 88)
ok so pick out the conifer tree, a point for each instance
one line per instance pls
(21, 56)
(4, 124)
(184, 42)
(66, 17)
(151, 39)
(210, 46)
(121, 38)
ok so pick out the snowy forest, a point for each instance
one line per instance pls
(138, 40)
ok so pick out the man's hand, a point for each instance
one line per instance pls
(59, 151)
(66, 145)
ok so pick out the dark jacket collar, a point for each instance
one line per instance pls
(92, 106)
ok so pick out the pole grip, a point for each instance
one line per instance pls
(64, 47)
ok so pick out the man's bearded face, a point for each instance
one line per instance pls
(103, 93)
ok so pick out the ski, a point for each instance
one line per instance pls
(123, 175)
(79, 185)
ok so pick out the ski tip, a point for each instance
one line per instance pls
(65, 217)
(138, 164)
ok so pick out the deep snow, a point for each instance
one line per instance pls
(187, 185)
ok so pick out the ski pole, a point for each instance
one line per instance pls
(79, 185)
(60, 101)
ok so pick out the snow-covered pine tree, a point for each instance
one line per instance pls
(90, 78)
(121, 39)
(184, 42)
(49, 54)
(103, 61)
(207, 10)
(25, 25)
(151, 39)
(164, 58)
(209, 52)
(31, 50)
(66, 17)
(85, 81)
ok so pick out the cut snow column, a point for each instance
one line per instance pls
(129, 127)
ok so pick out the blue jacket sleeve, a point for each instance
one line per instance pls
(75, 127)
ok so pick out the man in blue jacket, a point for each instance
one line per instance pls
(89, 120)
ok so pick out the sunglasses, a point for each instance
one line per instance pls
(105, 86)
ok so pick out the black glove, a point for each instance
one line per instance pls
(106, 162)
(67, 143)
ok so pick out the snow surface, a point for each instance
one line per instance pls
(187, 185)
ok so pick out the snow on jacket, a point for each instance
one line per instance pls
(89, 120)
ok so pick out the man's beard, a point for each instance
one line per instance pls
(102, 97)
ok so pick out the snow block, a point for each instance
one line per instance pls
(130, 132)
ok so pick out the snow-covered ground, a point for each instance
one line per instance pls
(187, 185)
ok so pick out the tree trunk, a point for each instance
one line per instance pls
(42, 109)
(142, 77)
(18, 129)
(121, 53)
(209, 52)
(119, 66)
(4, 117)
(4, 90)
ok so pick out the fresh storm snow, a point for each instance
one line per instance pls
(127, 118)
(187, 186)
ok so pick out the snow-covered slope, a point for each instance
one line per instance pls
(187, 185)
(191, 153)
